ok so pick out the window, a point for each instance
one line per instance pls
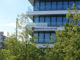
(48, 5)
(36, 36)
(47, 37)
(65, 4)
(42, 19)
(65, 20)
(47, 20)
(36, 5)
(54, 37)
(53, 21)
(71, 4)
(59, 21)
(41, 37)
(36, 19)
(59, 5)
(53, 5)
(42, 5)
(78, 4)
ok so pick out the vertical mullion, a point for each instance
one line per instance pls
(38, 37)
(56, 20)
(56, 5)
(39, 4)
(44, 38)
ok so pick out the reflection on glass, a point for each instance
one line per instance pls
(47, 37)
(42, 19)
(36, 19)
(65, 5)
(54, 36)
(47, 20)
(54, 5)
(78, 4)
(65, 20)
(71, 4)
(59, 5)
(53, 21)
(48, 5)
(36, 37)
(59, 21)
(42, 5)
(41, 37)
(36, 5)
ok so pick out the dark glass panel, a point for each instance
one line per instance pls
(53, 37)
(47, 20)
(54, 6)
(78, 4)
(42, 19)
(48, 5)
(53, 21)
(65, 20)
(71, 4)
(59, 21)
(65, 5)
(36, 36)
(36, 19)
(41, 37)
(59, 5)
(47, 37)
(42, 5)
(36, 5)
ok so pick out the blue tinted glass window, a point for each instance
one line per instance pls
(53, 5)
(36, 5)
(53, 21)
(47, 20)
(59, 5)
(36, 37)
(78, 21)
(41, 37)
(59, 21)
(71, 4)
(65, 20)
(42, 5)
(54, 37)
(47, 37)
(42, 19)
(65, 4)
(36, 19)
(78, 4)
(48, 5)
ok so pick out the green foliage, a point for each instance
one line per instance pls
(22, 48)
(67, 46)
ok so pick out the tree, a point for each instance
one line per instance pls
(22, 48)
(67, 46)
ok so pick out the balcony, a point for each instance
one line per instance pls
(43, 27)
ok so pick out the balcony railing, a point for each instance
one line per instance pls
(44, 27)
(38, 25)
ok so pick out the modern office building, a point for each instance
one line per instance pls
(48, 16)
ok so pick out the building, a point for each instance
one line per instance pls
(48, 16)
(2, 37)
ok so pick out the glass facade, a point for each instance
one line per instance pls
(51, 20)
(44, 37)
(55, 4)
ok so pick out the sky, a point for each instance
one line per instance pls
(9, 9)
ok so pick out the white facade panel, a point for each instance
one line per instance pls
(48, 28)
(56, 12)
